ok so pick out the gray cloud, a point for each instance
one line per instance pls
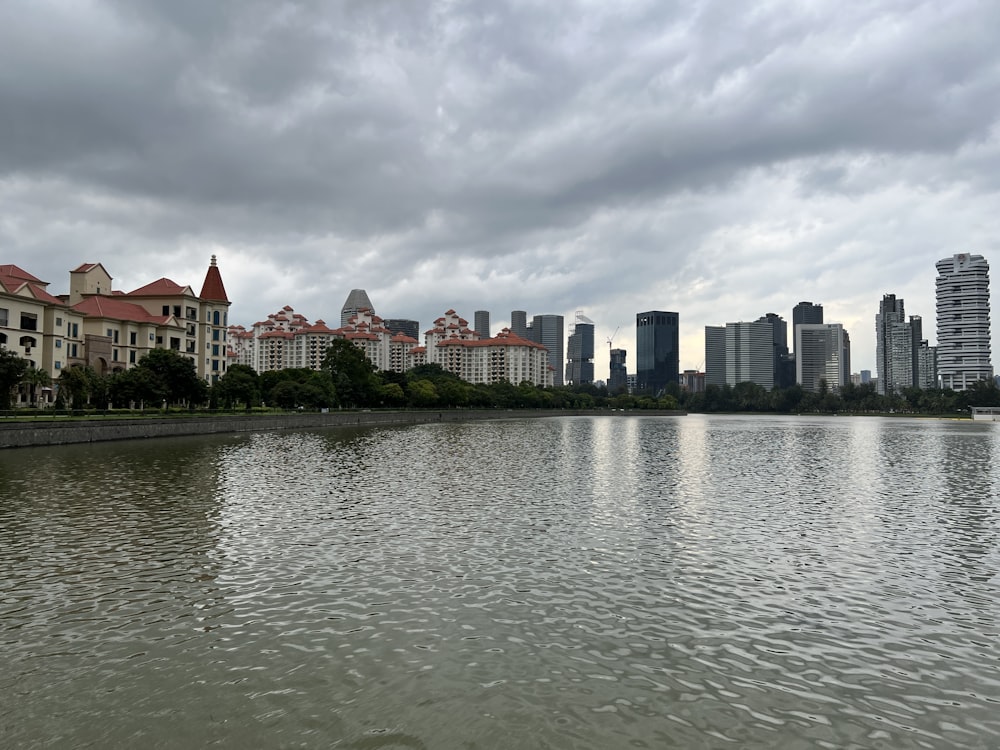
(698, 156)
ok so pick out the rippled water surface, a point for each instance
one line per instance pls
(609, 582)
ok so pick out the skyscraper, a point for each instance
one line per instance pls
(519, 323)
(547, 330)
(820, 353)
(963, 320)
(892, 342)
(805, 312)
(657, 355)
(481, 319)
(618, 379)
(750, 353)
(715, 355)
(356, 300)
(580, 352)
(902, 355)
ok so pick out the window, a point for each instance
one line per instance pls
(58, 365)
(75, 330)
(215, 350)
(175, 343)
(58, 343)
(114, 355)
(3, 338)
(151, 337)
(215, 334)
(190, 313)
(58, 321)
(215, 318)
(72, 350)
(177, 311)
(159, 340)
(3, 316)
(132, 338)
(29, 322)
(215, 364)
(166, 309)
(110, 333)
(131, 357)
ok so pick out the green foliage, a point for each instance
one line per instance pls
(353, 375)
(298, 388)
(77, 384)
(240, 385)
(174, 377)
(12, 371)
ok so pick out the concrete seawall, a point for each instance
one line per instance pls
(40, 433)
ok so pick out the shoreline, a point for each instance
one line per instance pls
(41, 434)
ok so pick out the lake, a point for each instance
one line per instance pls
(567, 582)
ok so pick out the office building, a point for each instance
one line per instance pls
(784, 364)
(356, 301)
(822, 356)
(715, 355)
(618, 379)
(547, 330)
(805, 313)
(481, 323)
(519, 323)
(403, 326)
(580, 352)
(750, 353)
(657, 351)
(963, 321)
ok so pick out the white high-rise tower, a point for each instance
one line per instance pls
(963, 321)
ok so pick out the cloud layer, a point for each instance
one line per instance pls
(721, 161)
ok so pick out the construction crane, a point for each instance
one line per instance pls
(611, 338)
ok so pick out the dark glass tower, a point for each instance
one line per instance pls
(618, 380)
(657, 355)
(580, 352)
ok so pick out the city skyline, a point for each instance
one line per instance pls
(716, 162)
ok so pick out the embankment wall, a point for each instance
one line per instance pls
(39, 432)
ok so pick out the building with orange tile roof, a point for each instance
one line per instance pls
(111, 330)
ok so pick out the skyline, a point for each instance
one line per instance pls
(693, 159)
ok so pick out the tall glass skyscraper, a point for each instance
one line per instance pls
(547, 330)
(963, 321)
(657, 351)
(580, 352)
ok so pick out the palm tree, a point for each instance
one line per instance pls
(35, 378)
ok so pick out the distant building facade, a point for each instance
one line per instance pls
(963, 321)
(403, 326)
(547, 330)
(356, 301)
(904, 359)
(580, 352)
(822, 355)
(618, 378)
(481, 318)
(657, 350)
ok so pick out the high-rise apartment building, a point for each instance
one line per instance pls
(963, 321)
(580, 352)
(547, 330)
(657, 350)
(356, 301)
(618, 378)
(740, 352)
(903, 357)
(822, 355)
(481, 323)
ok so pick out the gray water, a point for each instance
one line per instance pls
(609, 582)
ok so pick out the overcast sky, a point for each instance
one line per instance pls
(718, 159)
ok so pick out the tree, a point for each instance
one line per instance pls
(76, 383)
(353, 374)
(177, 375)
(240, 385)
(35, 378)
(12, 370)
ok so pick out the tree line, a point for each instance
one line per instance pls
(348, 379)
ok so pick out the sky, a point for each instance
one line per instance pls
(716, 159)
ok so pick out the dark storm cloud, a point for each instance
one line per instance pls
(552, 151)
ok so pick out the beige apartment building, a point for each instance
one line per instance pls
(108, 329)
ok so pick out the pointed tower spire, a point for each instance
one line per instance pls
(213, 289)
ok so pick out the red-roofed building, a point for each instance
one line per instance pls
(108, 329)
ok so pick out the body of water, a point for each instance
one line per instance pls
(607, 582)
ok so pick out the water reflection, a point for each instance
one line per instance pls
(586, 582)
